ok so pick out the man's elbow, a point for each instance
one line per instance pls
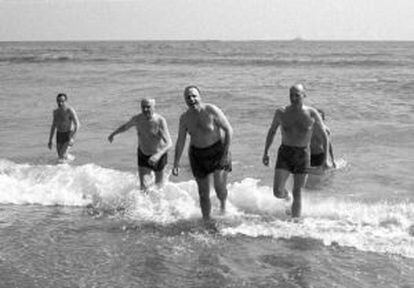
(229, 132)
(169, 145)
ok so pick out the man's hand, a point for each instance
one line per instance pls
(50, 145)
(265, 160)
(224, 160)
(175, 170)
(110, 138)
(154, 159)
(71, 142)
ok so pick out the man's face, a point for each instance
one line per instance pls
(61, 100)
(297, 96)
(192, 97)
(147, 108)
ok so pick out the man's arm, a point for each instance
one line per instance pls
(179, 145)
(222, 121)
(270, 137)
(76, 123)
(123, 128)
(332, 154)
(52, 132)
(320, 125)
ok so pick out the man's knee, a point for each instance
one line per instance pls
(280, 192)
(203, 186)
(159, 177)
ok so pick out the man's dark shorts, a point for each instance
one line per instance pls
(143, 161)
(206, 160)
(63, 137)
(293, 159)
(317, 159)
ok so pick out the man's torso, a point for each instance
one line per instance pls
(202, 127)
(63, 119)
(296, 126)
(149, 133)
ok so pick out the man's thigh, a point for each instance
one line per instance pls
(145, 176)
(280, 178)
(299, 180)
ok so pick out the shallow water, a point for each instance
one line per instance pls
(87, 225)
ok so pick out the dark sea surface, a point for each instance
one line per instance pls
(85, 224)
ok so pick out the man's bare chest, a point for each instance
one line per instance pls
(200, 124)
(299, 121)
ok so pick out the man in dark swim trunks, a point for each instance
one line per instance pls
(66, 123)
(317, 146)
(297, 122)
(209, 149)
(154, 141)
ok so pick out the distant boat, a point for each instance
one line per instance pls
(298, 39)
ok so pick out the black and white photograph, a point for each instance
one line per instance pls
(206, 143)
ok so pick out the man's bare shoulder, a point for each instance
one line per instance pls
(209, 106)
(137, 118)
(312, 111)
(212, 109)
(71, 110)
(184, 116)
(280, 110)
(158, 118)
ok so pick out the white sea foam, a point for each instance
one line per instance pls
(377, 227)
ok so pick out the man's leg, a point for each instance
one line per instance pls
(159, 178)
(299, 181)
(220, 185)
(279, 183)
(144, 173)
(204, 194)
(64, 150)
(59, 150)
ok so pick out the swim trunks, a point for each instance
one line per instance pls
(143, 161)
(206, 160)
(293, 159)
(63, 137)
(317, 159)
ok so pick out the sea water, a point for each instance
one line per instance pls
(86, 223)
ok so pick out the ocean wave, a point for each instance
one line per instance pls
(252, 210)
(49, 58)
(293, 62)
(195, 60)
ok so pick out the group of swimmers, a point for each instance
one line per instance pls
(305, 143)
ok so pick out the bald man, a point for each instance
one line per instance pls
(297, 123)
(154, 141)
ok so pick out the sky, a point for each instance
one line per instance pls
(42, 20)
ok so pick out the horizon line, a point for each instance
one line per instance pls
(214, 40)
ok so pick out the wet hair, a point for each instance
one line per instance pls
(322, 113)
(61, 95)
(186, 89)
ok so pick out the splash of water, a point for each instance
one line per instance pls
(252, 209)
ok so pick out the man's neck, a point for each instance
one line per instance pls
(197, 108)
(297, 107)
